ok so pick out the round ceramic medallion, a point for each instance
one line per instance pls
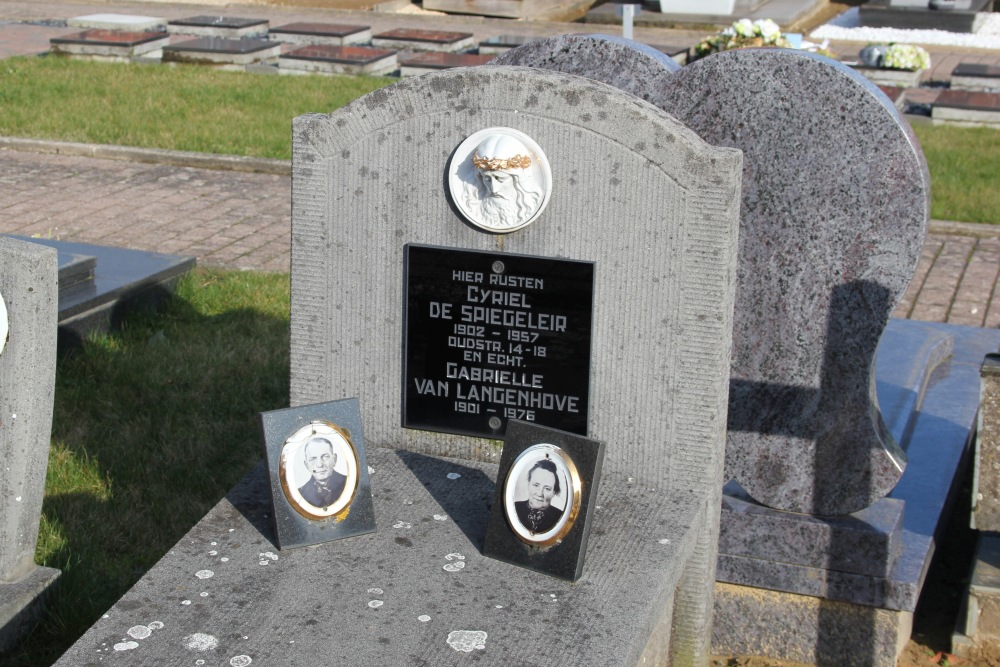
(500, 180)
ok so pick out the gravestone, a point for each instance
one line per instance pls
(432, 61)
(109, 45)
(424, 40)
(327, 59)
(222, 27)
(966, 107)
(828, 242)
(28, 303)
(960, 16)
(222, 52)
(371, 181)
(976, 77)
(330, 34)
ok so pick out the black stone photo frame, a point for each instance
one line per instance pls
(545, 493)
(316, 466)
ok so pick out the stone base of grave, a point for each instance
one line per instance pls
(324, 59)
(99, 285)
(326, 34)
(967, 16)
(422, 63)
(223, 53)
(386, 598)
(800, 628)
(221, 27)
(21, 603)
(109, 45)
(127, 22)
(900, 78)
(979, 625)
(976, 77)
(424, 40)
(963, 107)
(842, 590)
(533, 10)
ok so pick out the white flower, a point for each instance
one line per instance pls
(743, 27)
(767, 29)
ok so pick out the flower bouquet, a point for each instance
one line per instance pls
(896, 56)
(746, 33)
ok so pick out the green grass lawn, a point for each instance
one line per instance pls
(201, 109)
(152, 426)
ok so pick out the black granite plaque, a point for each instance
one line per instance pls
(495, 336)
(545, 493)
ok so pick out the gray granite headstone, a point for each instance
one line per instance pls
(29, 290)
(835, 208)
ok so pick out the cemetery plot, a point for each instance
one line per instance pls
(328, 59)
(126, 22)
(963, 16)
(431, 61)
(333, 34)
(502, 44)
(967, 107)
(231, 27)
(976, 77)
(220, 51)
(424, 40)
(100, 44)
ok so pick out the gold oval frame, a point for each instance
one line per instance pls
(4, 324)
(355, 479)
(570, 513)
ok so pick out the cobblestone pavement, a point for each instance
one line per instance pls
(243, 221)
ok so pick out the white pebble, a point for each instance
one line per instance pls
(240, 661)
(454, 567)
(375, 604)
(424, 618)
(203, 594)
(376, 591)
(402, 524)
(453, 475)
(207, 574)
(139, 632)
(215, 544)
(371, 470)
(440, 517)
(200, 641)
(664, 541)
(454, 556)
(224, 560)
(213, 553)
(126, 646)
(467, 641)
(185, 602)
(155, 625)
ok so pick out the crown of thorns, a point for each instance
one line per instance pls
(501, 164)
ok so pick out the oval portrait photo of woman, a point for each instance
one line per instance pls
(542, 495)
(319, 470)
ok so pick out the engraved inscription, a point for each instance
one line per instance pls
(492, 337)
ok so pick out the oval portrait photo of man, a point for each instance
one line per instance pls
(319, 470)
(542, 495)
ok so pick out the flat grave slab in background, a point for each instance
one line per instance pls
(432, 61)
(339, 60)
(101, 44)
(502, 44)
(783, 12)
(122, 279)
(424, 40)
(976, 77)
(233, 27)
(967, 16)
(127, 22)
(967, 107)
(335, 34)
(221, 51)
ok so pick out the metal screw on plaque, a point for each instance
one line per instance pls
(498, 267)
(495, 422)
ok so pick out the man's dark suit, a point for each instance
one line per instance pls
(323, 495)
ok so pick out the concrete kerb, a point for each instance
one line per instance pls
(152, 155)
(284, 168)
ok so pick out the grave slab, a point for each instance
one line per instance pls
(986, 480)
(881, 77)
(126, 22)
(218, 51)
(966, 16)
(980, 624)
(227, 27)
(895, 94)
(326, 59)
(432, 61)
(965, 107)
(976, 77)
(754, 621)
(104, 284)
(327, 34)
(113, 45)
(28, 300)
(424, 40)
(502, 44)
(393, 597)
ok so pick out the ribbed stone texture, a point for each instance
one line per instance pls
(654, 206)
